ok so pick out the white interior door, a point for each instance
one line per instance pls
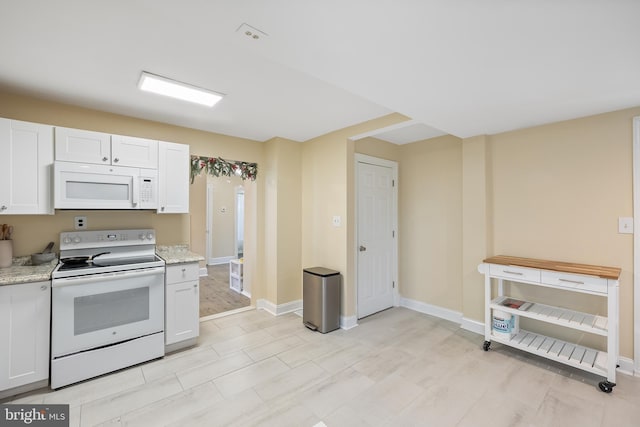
(376, 240)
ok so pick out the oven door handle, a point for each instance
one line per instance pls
(101, 277)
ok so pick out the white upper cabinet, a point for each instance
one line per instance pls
(26, 161)
(173, 178)
(132, 151)
(83, 146)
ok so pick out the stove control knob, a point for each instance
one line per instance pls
(150, 236)
(66, 240)
(142, 236)
(76, 239)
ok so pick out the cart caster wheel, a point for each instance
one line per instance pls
(486, 345)
(606, 386)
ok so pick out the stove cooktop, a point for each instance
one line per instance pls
(106, 266)
(106, 263)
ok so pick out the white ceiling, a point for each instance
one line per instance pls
(462, 67)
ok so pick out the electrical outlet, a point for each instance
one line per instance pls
(337, 220)
(80, 222)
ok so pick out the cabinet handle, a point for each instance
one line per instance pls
(44, 287)
(116, 160)
(104, 159)
(517, 273)
(577, 282)
(184, 269)
(3, 208)
(162, 208)
(195, 286)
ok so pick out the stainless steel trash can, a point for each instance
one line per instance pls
(321, 299)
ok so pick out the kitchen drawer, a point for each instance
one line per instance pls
(182, 272)
(514, 273)
(575, 281)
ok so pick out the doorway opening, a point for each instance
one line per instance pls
(223, 289)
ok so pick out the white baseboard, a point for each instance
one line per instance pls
(348, 322)
(472, 325)
(626, 366)
(278, 310)
(220, 260)
(432, 310)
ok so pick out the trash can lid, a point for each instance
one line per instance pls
(321, 271)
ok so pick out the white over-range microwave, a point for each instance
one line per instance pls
(90, 186)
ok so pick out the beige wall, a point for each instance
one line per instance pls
(430, 223)
(476, 220)
(328, 190)
(283, 220)
(429, 217)
(378, 148)
(197, 216)
(558, 191)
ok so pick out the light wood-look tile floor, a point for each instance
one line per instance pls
(397, 368)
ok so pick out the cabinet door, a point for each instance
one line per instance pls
(24, 333)
(25, 167)
(182, 312)
(173, 178)
(76, 145)
(135, 152)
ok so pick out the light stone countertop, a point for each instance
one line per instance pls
(21, 271)
(177, 254)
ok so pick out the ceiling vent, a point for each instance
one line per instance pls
(251, 32)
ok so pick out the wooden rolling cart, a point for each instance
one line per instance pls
(588, 279)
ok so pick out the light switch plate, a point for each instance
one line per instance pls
(625, 225)
(337, 220)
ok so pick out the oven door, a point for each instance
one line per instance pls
(102, 309)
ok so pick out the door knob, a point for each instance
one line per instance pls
(362, 248)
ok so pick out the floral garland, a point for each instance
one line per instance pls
(216, 166)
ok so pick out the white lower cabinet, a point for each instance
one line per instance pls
(182, 311)
(24, 334)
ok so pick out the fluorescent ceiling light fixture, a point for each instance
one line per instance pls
(164, 86)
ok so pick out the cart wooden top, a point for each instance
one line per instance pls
(566, 267)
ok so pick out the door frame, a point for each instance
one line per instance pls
(237, 190)
(636, 244)
(208, 221)
(363, 158)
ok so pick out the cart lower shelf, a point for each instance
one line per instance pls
(584, 358)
